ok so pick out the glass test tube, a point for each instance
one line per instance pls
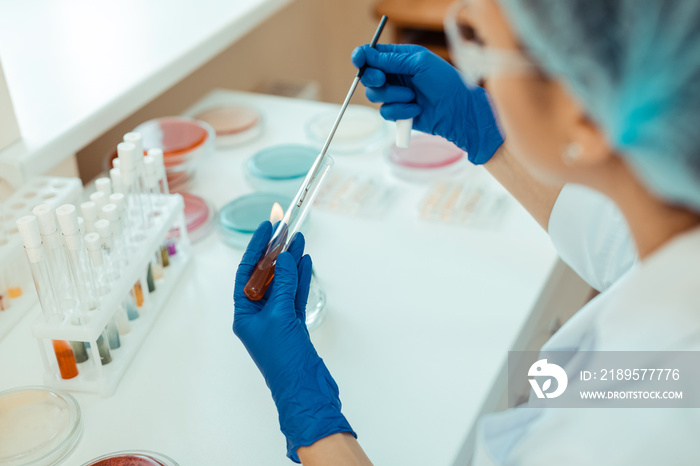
(135, 214)
(77, 256)
(29, 229)
(61, 274)
(112, 256)
(284, 233)
(136, 139)
(153, 188)
(162, 175)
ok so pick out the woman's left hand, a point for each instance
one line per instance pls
(274, 332)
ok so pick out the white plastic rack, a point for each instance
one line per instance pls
(92, 375)
(53, 191)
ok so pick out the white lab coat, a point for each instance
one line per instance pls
(649, 306)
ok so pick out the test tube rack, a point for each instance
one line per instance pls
(103, 379)
(53, 191)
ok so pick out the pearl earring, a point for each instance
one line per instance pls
(572, 153)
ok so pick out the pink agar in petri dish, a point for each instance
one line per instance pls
(127, 460)
(230, 120)
(176, 136)
(425, 152)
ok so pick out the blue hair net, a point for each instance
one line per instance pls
(635, 66)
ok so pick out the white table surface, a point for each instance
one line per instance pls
(420, 317)
(75, 68)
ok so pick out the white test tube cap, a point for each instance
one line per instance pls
(403, 132)
(136, 139)
(103, 228)
(68, 219)
(28, 227)
(118, 200)
(46, 218)
(151, 170)
(103, 185)
(127, 156)
(111, 212)
(89, 211)
(92, 241)
(157, 155)
(100, 200)
(115, 175)
(115, 162)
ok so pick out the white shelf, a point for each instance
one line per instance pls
(75, 68)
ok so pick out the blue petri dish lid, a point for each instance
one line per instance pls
(244, 214)
(282, 162)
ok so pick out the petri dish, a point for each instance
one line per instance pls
(38, 425)
(238, 219)
(280, 169)
(199, 216)
(132, 458)
(427, 158)
(234, 125)
(361, 130)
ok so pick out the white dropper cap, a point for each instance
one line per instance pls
(103, 185)
(46, 219)
(115, 162)
(103, 228)
(89, 210)
(100, 200)
(403, 132)
(115, 175)
(68, 219)
(28, 227)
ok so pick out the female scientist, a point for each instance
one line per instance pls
(600, 102)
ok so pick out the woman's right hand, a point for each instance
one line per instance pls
(412, 82)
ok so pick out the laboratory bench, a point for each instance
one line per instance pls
(419, 319)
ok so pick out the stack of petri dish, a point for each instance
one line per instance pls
(199, 216)
(280, 169)
(184, 142)
(362, 130)
(427, 158)
(38, 425)
(234, 125)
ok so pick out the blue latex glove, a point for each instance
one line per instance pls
(274, 332)
(413, 82)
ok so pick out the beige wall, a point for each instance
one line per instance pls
(307, 40)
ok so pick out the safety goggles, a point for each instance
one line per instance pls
(475, 61)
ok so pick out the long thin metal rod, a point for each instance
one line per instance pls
(319, 160)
